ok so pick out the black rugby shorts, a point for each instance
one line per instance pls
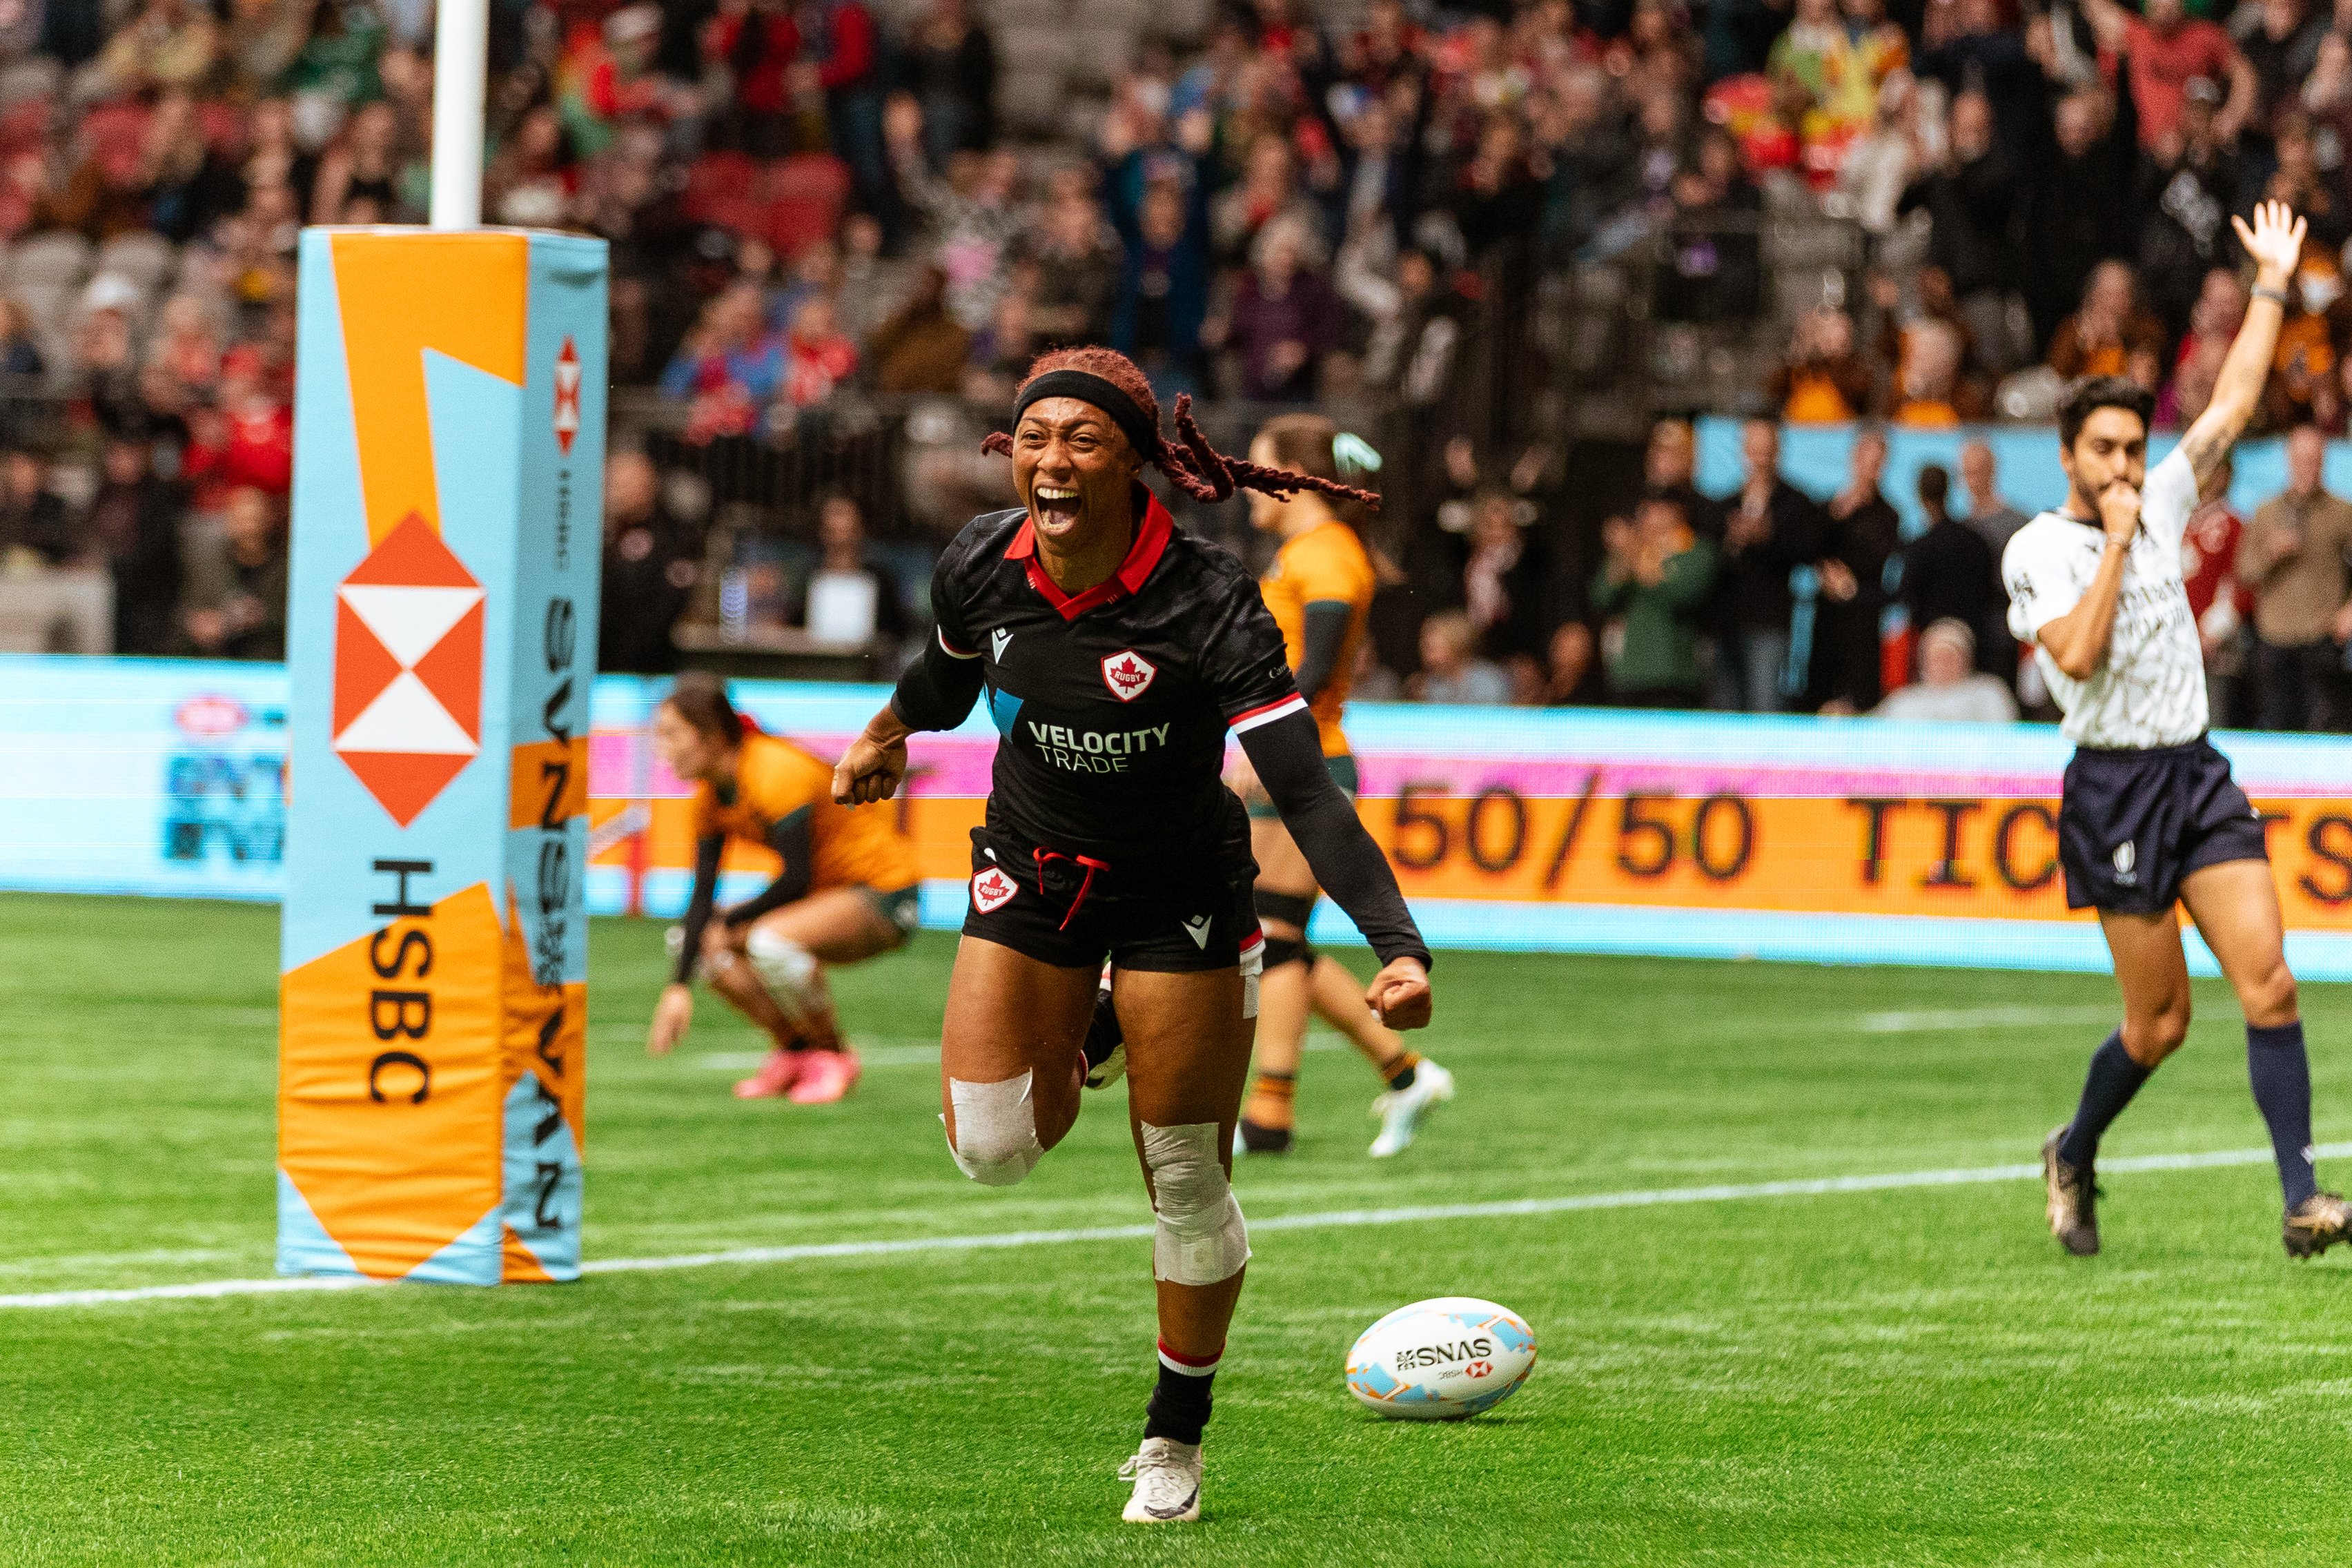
(1050, 912)
(2132, 823)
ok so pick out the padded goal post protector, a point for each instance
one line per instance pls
(441, 643)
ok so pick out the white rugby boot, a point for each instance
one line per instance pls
(1166, 1477)
(1401, 1109)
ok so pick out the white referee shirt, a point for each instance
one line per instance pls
(2149, 690)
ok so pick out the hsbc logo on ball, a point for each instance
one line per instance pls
(1469, 1354)
(1129, 674)
(408, 669)
(993, 889)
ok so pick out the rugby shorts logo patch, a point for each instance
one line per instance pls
(992, 891)
(999, 640)
(1127, 674)
(2127, 858)
(1197, 928)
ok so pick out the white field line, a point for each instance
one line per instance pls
(1808, 1188)
(895, 1054)
(1935, 1020)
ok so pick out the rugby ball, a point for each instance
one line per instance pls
(1441, 1359)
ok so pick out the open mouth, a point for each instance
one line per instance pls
(1054, 505)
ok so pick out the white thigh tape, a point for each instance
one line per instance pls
(995, 1130)
(786, 968)
(1253, 966)
(1200, 1238)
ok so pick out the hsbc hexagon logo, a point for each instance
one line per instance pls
(1129, 674)
(567, 396)
(993, 889)
(408, 669)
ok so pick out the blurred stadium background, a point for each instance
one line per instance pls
(1782, 290)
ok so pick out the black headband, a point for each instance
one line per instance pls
(1142, 433)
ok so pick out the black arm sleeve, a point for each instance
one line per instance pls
(1288, 757)
(937, 690)
(791, 839)
(1327, 628)
(698, 907)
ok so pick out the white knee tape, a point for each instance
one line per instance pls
(785, 967)
(1253, 967)
(995, 1130)
(1201, 1238)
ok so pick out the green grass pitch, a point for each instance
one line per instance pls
(1904, 1376)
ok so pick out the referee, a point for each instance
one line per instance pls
(2150, 815)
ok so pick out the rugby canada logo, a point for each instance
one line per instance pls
(992, 891)
(408, 669)
(1129, 674)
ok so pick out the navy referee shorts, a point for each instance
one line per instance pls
(2132, 823)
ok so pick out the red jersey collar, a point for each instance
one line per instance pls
(1150, 543)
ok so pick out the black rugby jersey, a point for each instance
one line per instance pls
(1113, 705)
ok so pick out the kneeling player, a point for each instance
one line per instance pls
(847, 890)
(2150, 816)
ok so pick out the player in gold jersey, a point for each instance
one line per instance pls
(1320, 589)
(847, 890)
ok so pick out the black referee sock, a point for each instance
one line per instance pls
(2114, 1079)
(1180, 1404)
(2281, 1075)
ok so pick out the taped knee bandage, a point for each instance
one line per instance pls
(1252, 968)
(786, 968)
(1201, 1238)
(995, 1130)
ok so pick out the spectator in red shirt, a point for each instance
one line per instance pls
(817, 353)
(2224, 606)
(623, 84)
(757, 41)
(258, 449)
(2164, 51)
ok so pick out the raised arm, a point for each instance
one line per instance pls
(2274, 242)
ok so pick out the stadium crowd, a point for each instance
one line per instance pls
(815, 208)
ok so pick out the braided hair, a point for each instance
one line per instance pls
(1197, 468)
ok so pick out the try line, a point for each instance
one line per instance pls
(1808, 1188)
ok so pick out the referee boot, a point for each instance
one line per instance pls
(2074, 1200)
(2316, 1224)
